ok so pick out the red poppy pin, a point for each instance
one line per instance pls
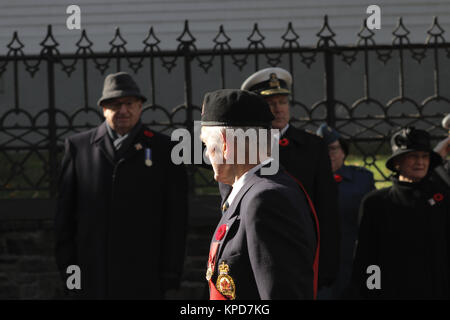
(221, 232)
(149, 133)
(284, 142)
(438, 197)
(337, 178)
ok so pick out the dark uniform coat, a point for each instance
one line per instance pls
(122, 222)
(305, 156)
(405, 232)
(270, 241)
(353, 184)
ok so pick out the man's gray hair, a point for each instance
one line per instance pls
(247, 139)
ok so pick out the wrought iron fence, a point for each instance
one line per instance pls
(51, 95)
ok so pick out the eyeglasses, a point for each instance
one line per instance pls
(116, 105)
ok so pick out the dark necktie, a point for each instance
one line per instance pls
(225, 207)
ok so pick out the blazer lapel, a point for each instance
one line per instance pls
(293, 133)
(228, 220)
(233, 212)
(128, 149)
(225, 196)
(103, 142)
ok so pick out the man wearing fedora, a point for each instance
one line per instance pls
(403, 242)
(120, 217)
(305, 157)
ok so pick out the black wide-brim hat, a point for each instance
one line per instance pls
(235, 108)
(119, 85)
(409, 140)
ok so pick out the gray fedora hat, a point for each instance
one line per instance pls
(118, 85)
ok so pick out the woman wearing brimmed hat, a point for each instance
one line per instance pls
(403, 243)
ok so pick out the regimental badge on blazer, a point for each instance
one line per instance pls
(225, 284)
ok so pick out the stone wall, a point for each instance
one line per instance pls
(28, 269)
(27, 265)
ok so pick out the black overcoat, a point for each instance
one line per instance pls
(121, 221)
(404, 231)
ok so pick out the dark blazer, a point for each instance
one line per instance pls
(271, 241)
(122, 222)
(306, 158)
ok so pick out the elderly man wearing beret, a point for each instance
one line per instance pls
(120, 218)
(304, 156)
(266, 244)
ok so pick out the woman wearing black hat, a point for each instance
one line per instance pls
(403, 244)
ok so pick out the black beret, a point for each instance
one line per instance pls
(236, 108)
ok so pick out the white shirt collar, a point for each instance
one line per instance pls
(283, 131)
(243, 180)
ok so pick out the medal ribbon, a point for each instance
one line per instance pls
(212, 255)
(214, 294)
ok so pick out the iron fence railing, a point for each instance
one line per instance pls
(365, 90)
